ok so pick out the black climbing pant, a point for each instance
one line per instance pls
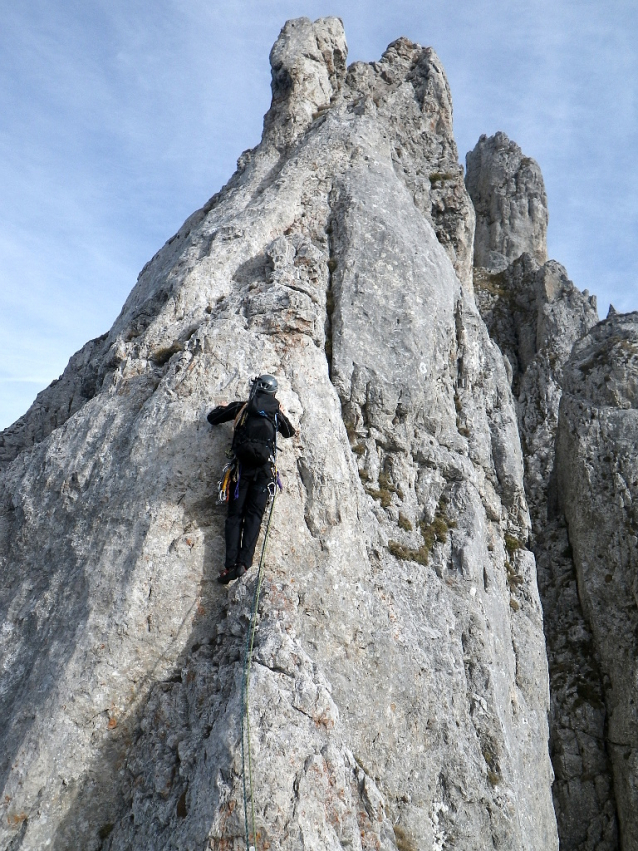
(245, 513)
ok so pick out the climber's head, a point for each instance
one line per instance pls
(266, 384)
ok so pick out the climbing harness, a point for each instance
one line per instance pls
(232, 470)
(248, 653)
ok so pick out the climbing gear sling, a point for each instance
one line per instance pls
(248, 652)
(223, 484)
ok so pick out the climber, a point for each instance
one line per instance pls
(251, 475)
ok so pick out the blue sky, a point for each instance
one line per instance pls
(120, 118)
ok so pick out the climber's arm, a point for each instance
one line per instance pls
(284, 426)
(224, 413)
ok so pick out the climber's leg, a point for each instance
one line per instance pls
(255, 505)
(234, 521)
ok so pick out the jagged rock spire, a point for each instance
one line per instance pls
(537, 316)
(508, 194)
(399, 685)
(308, 63)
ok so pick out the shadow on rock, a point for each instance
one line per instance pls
(148, 760)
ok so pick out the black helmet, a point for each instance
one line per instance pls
(266, 384)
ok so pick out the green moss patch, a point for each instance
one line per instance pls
(432, 533)
(512, 544)
(384, 496)
(493, 778)
(385, 491)
(403, 841)
(420, 556)
(495, 284)
(440, 176)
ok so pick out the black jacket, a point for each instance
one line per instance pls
(224, 413)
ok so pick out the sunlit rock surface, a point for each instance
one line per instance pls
(399, 692)
(597, 483)
(508, 193)
(536, 315)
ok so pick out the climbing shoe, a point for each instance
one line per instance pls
(232, 573)
(227, 576)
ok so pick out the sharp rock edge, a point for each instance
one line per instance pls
(399, 696)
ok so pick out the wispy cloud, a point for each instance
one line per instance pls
(120, 118)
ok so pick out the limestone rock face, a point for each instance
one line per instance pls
(308, 66)
(56, 403)
(407, 89)
(597, 475)
(399, 693)
(508, 193)
(536, 315)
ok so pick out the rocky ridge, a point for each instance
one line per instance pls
(399, 694)
(541, 321)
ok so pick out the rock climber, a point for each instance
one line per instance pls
(251, 475)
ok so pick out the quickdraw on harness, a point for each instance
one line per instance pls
(224, 484)
(231, 474)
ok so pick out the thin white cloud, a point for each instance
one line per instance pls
(120, 118)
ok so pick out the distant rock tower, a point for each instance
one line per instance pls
(508, 194)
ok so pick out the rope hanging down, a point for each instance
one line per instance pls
(245, 721)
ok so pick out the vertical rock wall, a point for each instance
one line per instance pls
(399, 689)
(536, 315)
(597, 478)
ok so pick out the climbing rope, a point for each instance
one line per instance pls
(248, 653)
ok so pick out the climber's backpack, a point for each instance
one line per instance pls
(254, 441)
